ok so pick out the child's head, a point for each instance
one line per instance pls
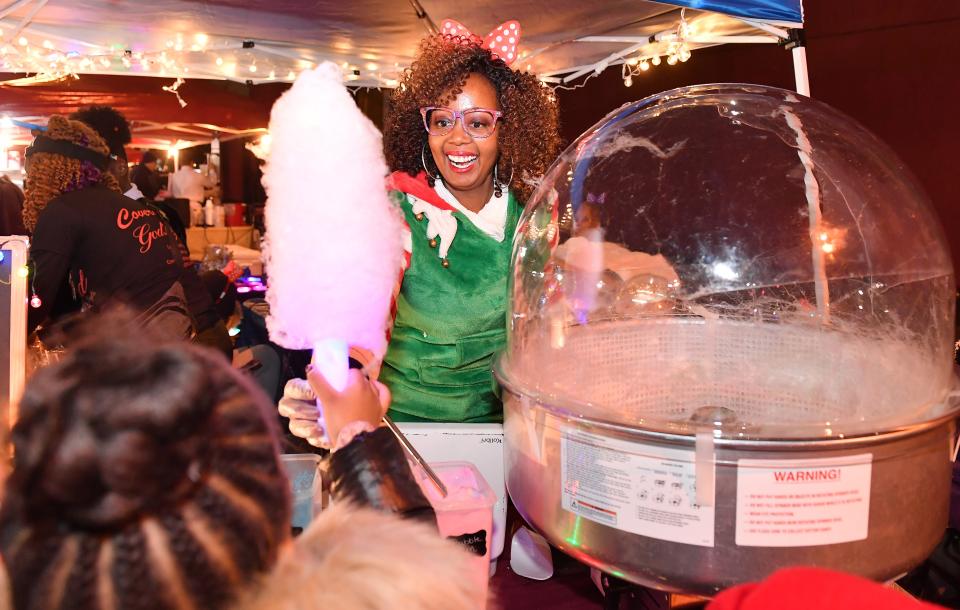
(144, 475)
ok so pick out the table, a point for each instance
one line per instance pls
(198, 238)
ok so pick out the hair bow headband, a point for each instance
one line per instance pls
(502, 41)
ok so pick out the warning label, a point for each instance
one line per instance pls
(803, 502)
(634, 487)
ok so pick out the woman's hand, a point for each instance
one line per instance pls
(362, 400)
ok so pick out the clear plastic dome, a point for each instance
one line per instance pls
(737, 256)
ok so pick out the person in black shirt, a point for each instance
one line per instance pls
(113, 127)
(145, 176)
(117, 250)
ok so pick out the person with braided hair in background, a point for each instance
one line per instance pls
(116, 251)
(113, 127)
(146, 475)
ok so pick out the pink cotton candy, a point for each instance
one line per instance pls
(333, 246)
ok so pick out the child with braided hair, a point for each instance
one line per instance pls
(143, 478)
(146, 475)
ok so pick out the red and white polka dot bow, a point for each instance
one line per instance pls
(502, 41)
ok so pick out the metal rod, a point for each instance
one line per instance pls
(415, 455)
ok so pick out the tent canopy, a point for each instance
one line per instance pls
(258, 42)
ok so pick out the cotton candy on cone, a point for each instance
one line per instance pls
(333, 244)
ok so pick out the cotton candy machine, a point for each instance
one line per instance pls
(730, 346)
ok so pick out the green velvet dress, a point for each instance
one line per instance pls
(450, 322)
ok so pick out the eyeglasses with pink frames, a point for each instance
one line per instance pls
(477, 122)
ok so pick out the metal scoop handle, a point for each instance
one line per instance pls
(416, 455)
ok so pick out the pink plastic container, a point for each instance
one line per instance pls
(466, 513)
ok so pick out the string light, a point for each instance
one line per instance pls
(655, 60)
(644, 65)
(672, 60)
(47, 63)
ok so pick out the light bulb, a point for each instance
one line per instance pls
(23, 41)
(632, 61)
(272, 75)
(47, 44)
(684, 54)
(627, 82)
(291, 75)
(656, 60)
(201, 39)
(35, 302)
(219, 61)
(672, 60)
(253, 68)
(23, 271)
(644, 65)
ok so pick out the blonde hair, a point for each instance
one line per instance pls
(52, 175)
(354, 558)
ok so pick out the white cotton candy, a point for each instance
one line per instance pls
(333, 244)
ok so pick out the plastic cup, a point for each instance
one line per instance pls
(303, 472)
(465, 514)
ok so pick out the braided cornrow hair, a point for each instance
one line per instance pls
(145, 476)
(51, 175)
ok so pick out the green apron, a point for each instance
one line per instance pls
(450, 322)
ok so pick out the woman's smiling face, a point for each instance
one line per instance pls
(465, 162)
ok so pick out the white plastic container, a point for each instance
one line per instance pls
(479, 444)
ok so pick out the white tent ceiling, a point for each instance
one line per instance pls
(371, 39)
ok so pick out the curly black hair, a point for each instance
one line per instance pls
(109, 123)
(529, 133)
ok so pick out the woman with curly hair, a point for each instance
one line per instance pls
(466, 137)
(115, 250)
